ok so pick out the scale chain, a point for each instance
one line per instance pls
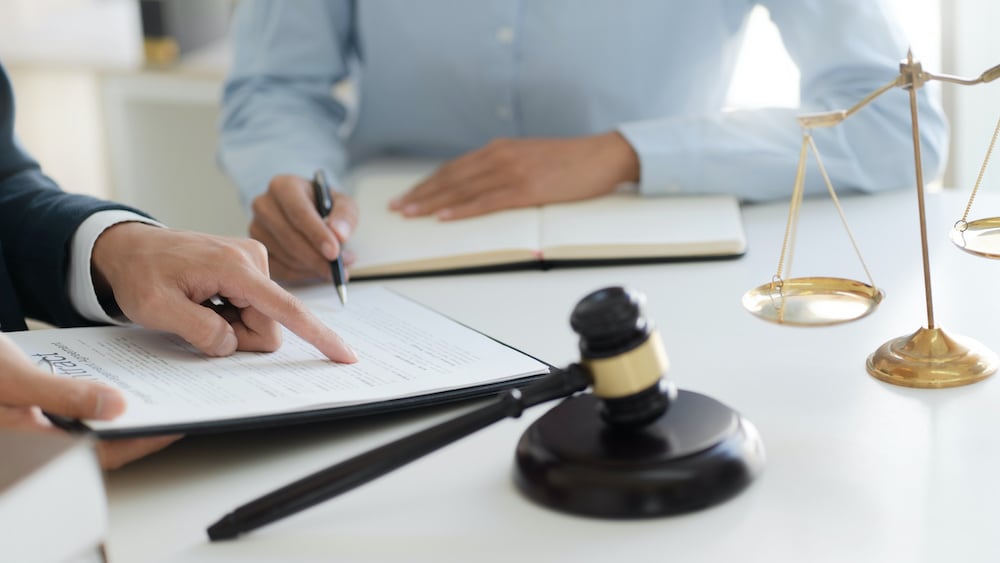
(963, 223)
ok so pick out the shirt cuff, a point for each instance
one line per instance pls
(82, 294)
(664, 159)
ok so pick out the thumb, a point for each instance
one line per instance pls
(202, 327)
(60, 395)
(22, 384)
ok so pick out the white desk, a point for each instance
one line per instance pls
(857, 470)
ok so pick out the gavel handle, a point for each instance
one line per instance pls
(356, 471)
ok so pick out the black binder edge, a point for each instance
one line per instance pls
(341, 412)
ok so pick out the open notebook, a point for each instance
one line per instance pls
(619, 228)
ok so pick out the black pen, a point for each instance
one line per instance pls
(362, 468)
(324, 205)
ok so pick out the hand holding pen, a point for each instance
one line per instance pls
(300, 243)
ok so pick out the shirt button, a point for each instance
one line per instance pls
(504, 113)
(505, 34)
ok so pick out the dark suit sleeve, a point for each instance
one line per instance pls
(37, 222)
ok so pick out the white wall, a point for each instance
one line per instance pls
(766, 76)
(57, 122)
(972, 44)
(162, 133)
(54, 51)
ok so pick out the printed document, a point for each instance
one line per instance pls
(404, 350)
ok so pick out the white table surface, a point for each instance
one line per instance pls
(857, 470)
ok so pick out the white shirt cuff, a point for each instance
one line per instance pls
(81, 285)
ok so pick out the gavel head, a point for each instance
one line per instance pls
(623, 352)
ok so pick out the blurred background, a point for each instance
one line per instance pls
(119, 98)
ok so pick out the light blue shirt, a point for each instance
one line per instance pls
(439, 78)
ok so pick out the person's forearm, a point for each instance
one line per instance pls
(279, 115)
(261, 138)
(753, 153)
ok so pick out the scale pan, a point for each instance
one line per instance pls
(980, 237)
(813, 301)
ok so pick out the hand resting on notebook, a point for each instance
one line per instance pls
(512, 173)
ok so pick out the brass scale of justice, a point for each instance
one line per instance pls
(927, 358)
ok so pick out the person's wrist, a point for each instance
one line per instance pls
(107, 261)
(623, 160)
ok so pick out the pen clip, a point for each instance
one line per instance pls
(321, 193)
